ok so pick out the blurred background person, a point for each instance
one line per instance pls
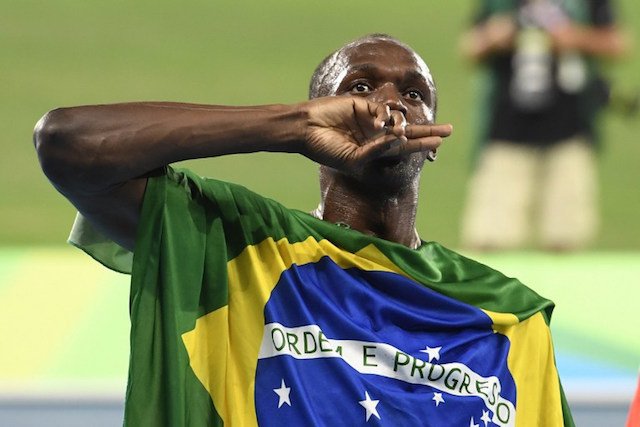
(541, 93)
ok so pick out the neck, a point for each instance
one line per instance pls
(389, 215)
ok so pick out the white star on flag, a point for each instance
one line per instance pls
(437, 397)
(370, 406)
(283, 394)
(472, 423)
(433, 352)
(485, 417)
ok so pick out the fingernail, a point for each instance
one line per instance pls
(432, 155)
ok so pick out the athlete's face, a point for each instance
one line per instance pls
(385, 72)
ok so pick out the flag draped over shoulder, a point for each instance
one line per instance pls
(246, 313)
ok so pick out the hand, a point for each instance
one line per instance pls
(566, 37)
(500, 32)
(497, 34)
(347, 132)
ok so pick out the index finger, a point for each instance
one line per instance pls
(371, 117)
(421, 131)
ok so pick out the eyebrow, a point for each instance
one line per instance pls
(372, 68)
(409, 75)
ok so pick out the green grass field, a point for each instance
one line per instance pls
(71, 52)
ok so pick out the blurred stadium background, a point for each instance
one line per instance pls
(64, 318)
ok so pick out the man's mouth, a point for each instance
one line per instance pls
(390, 161)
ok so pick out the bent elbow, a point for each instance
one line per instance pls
(46, 129)
(52, 139)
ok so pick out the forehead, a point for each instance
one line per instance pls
(384, 55)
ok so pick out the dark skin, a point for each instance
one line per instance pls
(371, 142)
(386, 188)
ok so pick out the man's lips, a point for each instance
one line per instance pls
(390, 161)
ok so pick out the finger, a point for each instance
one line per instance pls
(379, 146)
(426, 144)
(398, 123)
(371, 115)
(420, 131)
(382, 113)
(370, 118)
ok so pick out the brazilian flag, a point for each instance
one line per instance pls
(246, 313)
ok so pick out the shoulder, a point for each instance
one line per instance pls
(476, 283)
(206, 190)
(208, 200)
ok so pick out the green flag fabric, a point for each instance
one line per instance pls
(245, 313)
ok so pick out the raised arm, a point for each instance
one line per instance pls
(605, 42)
(495, 35)
(99, 156)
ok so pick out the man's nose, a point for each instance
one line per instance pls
(389, 95)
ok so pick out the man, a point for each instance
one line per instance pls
(541, 96)
(245, 312)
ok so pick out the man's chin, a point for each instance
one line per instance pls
(393, 173)
(410, 165)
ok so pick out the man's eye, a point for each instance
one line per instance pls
(415, 95)
(361, 88)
